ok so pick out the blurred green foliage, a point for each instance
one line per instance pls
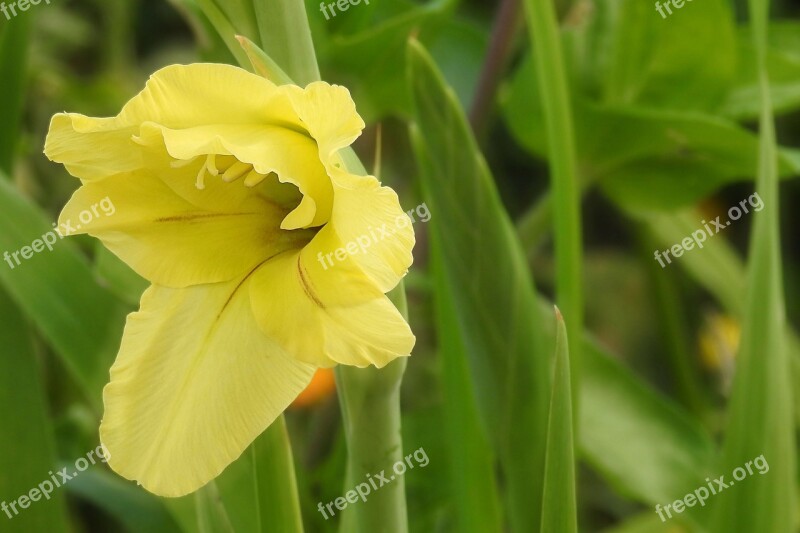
(665, 126)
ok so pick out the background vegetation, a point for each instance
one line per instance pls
(649, 125)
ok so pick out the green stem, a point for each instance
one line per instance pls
(370, 400)
(555, 92)
(370, 397)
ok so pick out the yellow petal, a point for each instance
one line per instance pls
(329, 115)
(177, 97)
(195, 382)
(328, 317)
(175, 235)
(92, 148)
(186, 96)
(290, 154)
(370, 215)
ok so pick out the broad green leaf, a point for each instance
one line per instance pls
(370, 59)
(783, 63)
(472, 481)
(624, 52)
(760, 418)
(132, 506)
(645, 158)
(485, 272)
(58, 292)
(13, 67)
(559, 507)
(27, 453)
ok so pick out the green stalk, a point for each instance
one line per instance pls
(555, 92)
(370, 401)
(370, 397)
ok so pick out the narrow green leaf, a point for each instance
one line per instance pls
(473, 483)
(225, 28)
(273, 463)
(212, 516)
(57, 290)
(28, 460)
(760, 417)
(286, 37)
(559, 507)
(720, 270)
(493, 293)
(564, 180)
(259, 490)
(673, 326)
(13, 67)
(263, 64)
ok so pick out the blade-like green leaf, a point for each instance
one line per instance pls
(27, 452)
(13, 66)
(559, 508)
(58, 291)
(286, 37)
(212, 516)
(259, 489)
(719, 270)
(263, 64)
(486, 274)
(473, 483)
(556, 101)
(760, 417)
(224, 27)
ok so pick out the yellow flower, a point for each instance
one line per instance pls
(228, 189)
